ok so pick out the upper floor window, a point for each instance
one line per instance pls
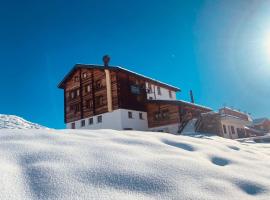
(76, 78)
(135, 89)
(170, 93)
(130, 115)
(89, 104)
(87, 88)
(84, 75)
(158, 90)
(161, 115)
(99, 84)
(99, 100)
(77, 108)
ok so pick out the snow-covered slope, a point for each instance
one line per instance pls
(15, 122)
(106, 164)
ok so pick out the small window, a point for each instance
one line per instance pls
(72, 94)
(130, 115)
(88, 104)
(99, 101)
(73, 125)
(87, 88)
(99, 119)
(78, 92)
(82, 123)
(98, 84)
(170, 93)
(140, 115)
(90, 121)
(158, 91)
(77, 108)
(233, 131)
(224, 129)
(84, 75)
(76, 78)
(135, 89)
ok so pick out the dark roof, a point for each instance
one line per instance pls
(179, 102)
(115, 68)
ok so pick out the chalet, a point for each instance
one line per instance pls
(228, 123)
(112, 97)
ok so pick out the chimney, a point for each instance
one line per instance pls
(106, 60)
(191, 96)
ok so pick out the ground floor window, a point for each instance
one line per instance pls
(130, 115)
(224, 129)
(82, 123)
(140, 115)
(73, 125)
(90, 121)
(99, 119)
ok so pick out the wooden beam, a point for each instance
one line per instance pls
(93, 92)
(81, 97)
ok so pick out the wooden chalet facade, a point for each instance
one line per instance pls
(116, 98)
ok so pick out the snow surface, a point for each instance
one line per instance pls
(15, 122)
(107, 164)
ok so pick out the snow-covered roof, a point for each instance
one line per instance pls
(61, 84)
(259, 120)
(179, 102)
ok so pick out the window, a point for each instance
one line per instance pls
(135, 89)
(99, 101)
(158, 91)
(72, 94)
(84, 75)
(73, 125)
(90, 121)
(99, 119)
(170, 93)
(130, 115)
(140, 115)
(88, 104)
(87, 88)
(162, 115)
(77, 108)
(76, 78)
(78, 92)
(224, 129)
(98, 84)
(82, 123)
(233, 131)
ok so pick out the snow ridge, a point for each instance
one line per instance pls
(15, 122)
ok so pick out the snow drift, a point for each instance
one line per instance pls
(107, 164)
(15, 122)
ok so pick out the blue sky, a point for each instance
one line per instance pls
(219, 49)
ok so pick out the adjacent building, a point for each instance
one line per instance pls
(228, 123)
(112, 97)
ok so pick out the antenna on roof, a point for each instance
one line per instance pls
(106, 60)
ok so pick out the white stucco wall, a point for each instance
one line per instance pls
(118, 120)
(164, 93)
(229, 121)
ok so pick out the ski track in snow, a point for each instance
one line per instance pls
(108, 164)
